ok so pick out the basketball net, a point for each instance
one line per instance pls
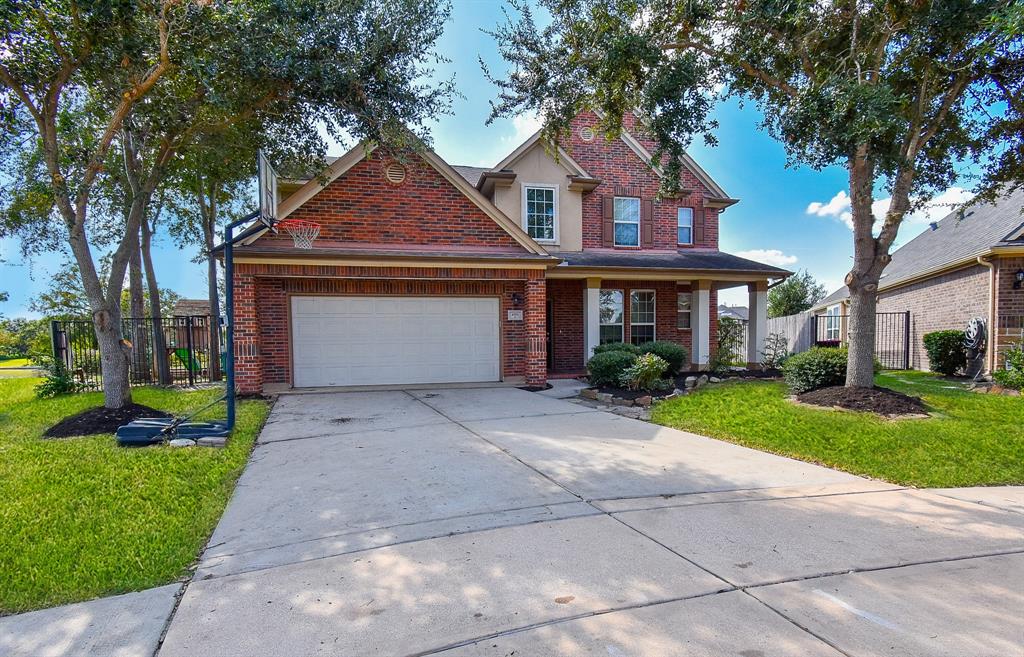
(303, 232)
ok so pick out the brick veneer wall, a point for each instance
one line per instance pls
(262, 325)
(361, 206)
(1009, 306)
(947, 301)
(616, 164)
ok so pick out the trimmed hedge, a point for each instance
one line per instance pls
(606, 368)
(946, 352)
(818, 367)
(670, 352)
(617, 346)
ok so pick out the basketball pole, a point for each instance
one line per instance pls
(229, 307)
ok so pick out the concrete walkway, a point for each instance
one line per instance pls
(499, 522)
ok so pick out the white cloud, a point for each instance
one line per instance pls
(839, 208)
(525, 125)
(768, 257)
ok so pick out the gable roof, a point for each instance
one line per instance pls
(564, 159)
(362, 150)
(957, 239)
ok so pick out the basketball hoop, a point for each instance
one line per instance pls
(303, 232)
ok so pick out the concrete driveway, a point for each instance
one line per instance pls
(499, 522)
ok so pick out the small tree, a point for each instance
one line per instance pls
(795, 295)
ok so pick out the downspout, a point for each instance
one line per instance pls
(990, 357)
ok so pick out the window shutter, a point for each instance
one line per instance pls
(698, 227)
(608, 221)
(647, 223)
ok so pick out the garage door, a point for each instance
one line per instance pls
(342, 341)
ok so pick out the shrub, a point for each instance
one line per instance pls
(617, 346)
(818, 367)
(606, 368)
(673, 354)
(774, 352)
(1013, 375)
(946, 352)
(58, 380)
(645, 373)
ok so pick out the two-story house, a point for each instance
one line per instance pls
(427, 273)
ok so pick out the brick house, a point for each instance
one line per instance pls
(428, 273)
(969, 264)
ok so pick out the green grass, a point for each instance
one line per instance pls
(970, 440)
(15, 362)
(81, 517)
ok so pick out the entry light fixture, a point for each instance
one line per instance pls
(517, 299)
(1018, 279)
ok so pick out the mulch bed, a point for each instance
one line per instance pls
(876, 400)
(100, 420)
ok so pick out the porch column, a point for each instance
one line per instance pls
(535, 316)
(701, 323)
(757, 326)
(591, 317)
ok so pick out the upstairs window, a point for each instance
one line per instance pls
(627, 221)
(684, 305)
(641, 316)
(610, 310)
(684, 225)
(540, 209)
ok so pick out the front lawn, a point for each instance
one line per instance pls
(81, 517)
(970, 440)
(15, 362)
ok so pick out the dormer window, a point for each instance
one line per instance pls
(684, 226)
(540, 212)
(627, 221)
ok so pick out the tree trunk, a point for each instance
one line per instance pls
(163, 365)
(869, 259)
(208, 210)
(137, 317)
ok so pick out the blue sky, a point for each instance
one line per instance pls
(794, 218)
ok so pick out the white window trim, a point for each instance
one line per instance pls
(526, 229)
(653, 323)
(688, 312)
(692, 218)
(639, 212)
(833, 322)
(622, 316)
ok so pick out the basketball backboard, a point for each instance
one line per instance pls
(268, 190)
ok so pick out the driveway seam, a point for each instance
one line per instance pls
(796, 624)
(737, 490)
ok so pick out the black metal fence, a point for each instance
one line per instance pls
(892, 336)
(173, 351)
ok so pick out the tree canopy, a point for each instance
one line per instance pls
(795, 295)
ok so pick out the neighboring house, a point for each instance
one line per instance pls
(969, 264)
(428, 273)
(739, 313)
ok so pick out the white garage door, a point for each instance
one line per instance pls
(343, 341)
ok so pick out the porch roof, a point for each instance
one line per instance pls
(688, 260)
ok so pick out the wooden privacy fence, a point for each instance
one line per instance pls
(173, 351)
(797, 328)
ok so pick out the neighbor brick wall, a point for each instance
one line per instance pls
(262, 312)
(947, 301)
(361, 206)
(1009, 306)
(616, 164)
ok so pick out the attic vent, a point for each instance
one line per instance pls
(587, 133)
(395, 173)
